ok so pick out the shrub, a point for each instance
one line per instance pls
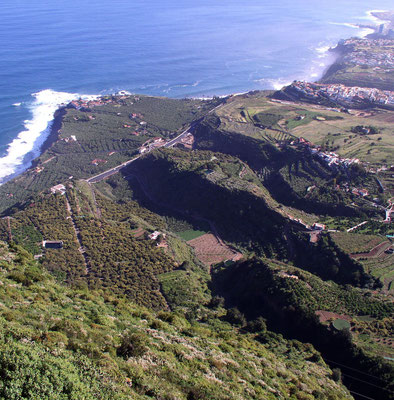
(258, 325)
(166, 316)
(27, 373)
(235, 317)
(132, 345)
(336, 375)
(216, 302)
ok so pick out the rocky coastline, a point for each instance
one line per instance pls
(55, 130)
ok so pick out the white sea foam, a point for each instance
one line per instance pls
(322, 50)
(17, 104)
(185, 85)
(348, 24)
(26, 146)
(275, 84)
(363, 32)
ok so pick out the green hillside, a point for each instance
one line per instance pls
(63, 343)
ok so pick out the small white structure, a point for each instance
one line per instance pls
(154, 235)
(58, 189)
(318, 227)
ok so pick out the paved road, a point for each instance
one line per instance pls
(109, 172)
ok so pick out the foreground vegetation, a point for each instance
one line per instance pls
(63, 343)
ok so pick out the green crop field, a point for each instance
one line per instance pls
(340, 324)
(190, 234)
(356, 243)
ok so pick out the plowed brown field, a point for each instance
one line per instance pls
(211, 251)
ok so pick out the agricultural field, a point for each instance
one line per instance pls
(380, 266)
(320, 125)
(371, 335)
(190, 234)
(371, 251)
(210, 250)
(356, 243)
(372, 227)
(86, 142)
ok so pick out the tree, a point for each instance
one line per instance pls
(235, 317)
(336, 375)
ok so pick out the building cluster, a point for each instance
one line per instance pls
(136, 115)
(152, 144)
(344, 95)
(87, 104)
(98, 161)
(284, 274)
(332, 159)
(187, 141)
(101, 101)
(70, 139)
(159, 238)
(368, 52)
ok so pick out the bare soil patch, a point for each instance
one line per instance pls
(212, 251)
(137, 233)
(327, 315)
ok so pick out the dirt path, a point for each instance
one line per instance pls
(97, 208)
(78, 236)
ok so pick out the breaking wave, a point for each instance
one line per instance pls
(26, 146)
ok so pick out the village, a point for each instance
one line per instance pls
(343, 95)
(362, 53)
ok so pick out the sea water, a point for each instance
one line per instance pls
(54, 51)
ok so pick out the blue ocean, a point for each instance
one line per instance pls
(54, 51)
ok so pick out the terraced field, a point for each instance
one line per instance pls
(333, 130)
(370, 251)
(381, 267)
